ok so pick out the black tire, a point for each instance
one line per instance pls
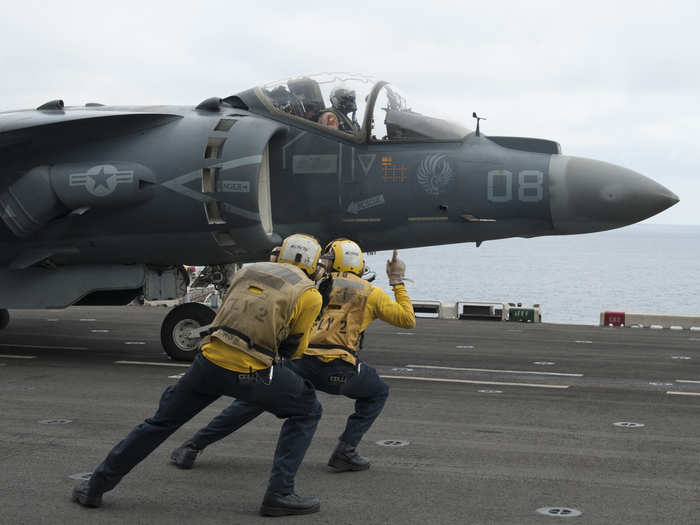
(180, 319)
(4, 318)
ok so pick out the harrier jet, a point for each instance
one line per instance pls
(101, 204)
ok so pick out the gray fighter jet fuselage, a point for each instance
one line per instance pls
(101, 203)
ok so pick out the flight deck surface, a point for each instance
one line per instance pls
(487, 422)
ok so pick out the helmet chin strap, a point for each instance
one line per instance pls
(275, 253)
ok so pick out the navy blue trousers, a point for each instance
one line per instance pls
(337, 377)
(287, 396)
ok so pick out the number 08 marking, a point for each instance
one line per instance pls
(500, 186)
(530, 186)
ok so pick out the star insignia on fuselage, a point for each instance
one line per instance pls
(102, 179)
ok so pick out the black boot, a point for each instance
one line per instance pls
(345, 458)
(277, 504)
(86, 495)
(184, 456)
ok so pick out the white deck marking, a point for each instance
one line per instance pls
(439, 380)
(405, 333)
(672, 393)
(100, 331)
(150, 363)
(18, 356)
(46, 347)
(494, 370)
(584, 342)
(87, 320)
(52, 320)
(688, 381)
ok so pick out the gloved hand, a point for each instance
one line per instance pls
(395, 270)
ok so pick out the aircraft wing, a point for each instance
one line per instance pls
(25, 133)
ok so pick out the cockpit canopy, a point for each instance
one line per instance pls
(356, 106)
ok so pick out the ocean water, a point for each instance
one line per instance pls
(647, 268)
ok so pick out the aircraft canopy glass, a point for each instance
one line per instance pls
(335, 100)
(394, 120)
(341, 101)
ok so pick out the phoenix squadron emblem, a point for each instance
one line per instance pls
(434, 173)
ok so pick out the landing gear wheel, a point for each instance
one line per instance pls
(176, 328)
(4, 318)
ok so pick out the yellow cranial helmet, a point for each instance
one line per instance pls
(347, 256)
(300, 250)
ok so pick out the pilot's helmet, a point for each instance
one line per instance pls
(302, 251)
(343, 99)
(346, 256)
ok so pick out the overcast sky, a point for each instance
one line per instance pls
(611, 80)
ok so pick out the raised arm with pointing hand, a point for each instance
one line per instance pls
(395, 270)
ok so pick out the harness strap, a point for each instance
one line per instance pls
(334, 347)
(242, 336)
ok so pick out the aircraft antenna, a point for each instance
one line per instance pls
(478, 133)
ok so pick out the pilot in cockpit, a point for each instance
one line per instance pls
(338, 115)
(307, 100)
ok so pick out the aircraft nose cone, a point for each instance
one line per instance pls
(589, 195)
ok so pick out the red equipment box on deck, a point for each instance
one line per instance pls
(614, 318)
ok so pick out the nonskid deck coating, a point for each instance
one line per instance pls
(483, 448)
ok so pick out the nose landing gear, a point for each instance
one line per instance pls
(176, 330)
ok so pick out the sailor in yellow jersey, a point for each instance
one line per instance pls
(268, 312)
(331, 359)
